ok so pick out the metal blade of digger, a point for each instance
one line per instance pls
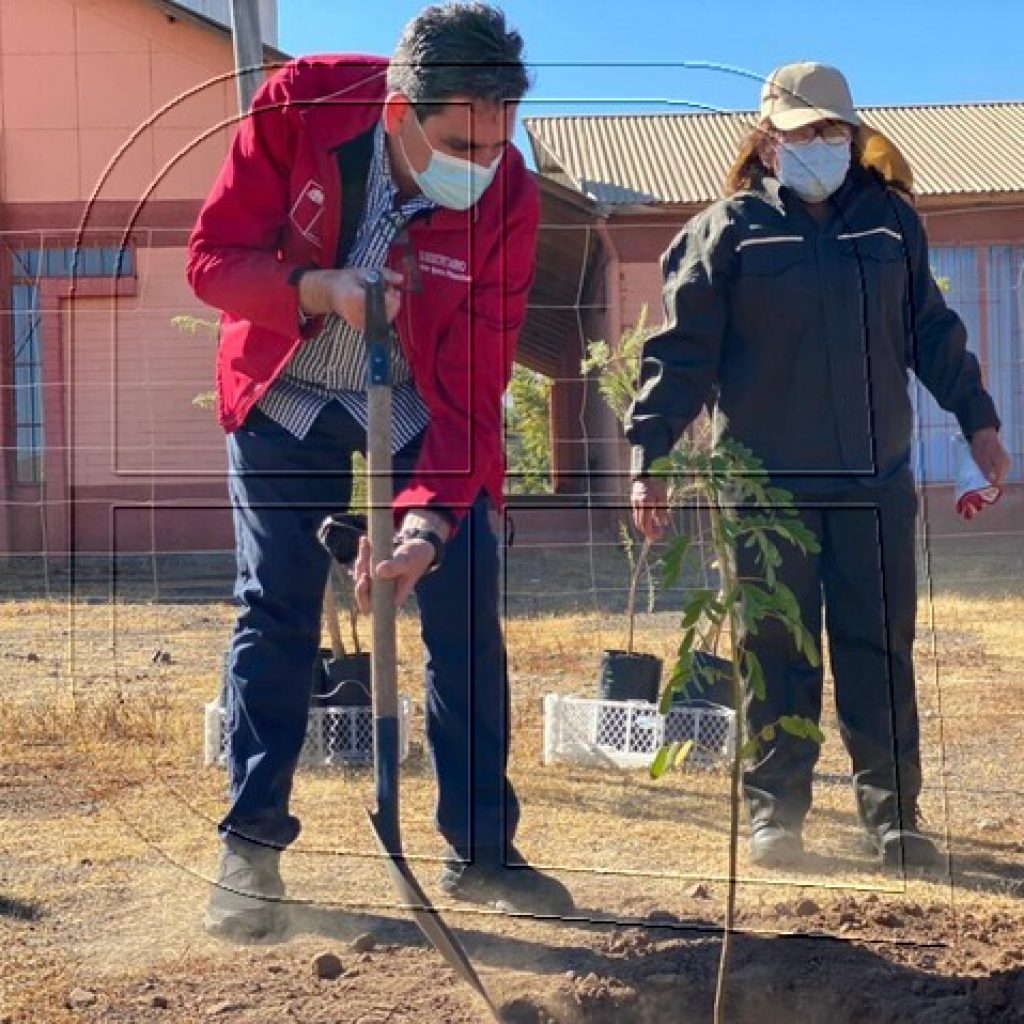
(386, 737)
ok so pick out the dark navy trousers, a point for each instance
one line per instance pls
(281, 488)
(866, 577)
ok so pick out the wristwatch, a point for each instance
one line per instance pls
(295, 280)
(430, 536)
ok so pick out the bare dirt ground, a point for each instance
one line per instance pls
(107, 842)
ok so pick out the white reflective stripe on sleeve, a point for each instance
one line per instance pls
(872, 231)
(769, 240)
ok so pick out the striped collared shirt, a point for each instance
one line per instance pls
(332, 366)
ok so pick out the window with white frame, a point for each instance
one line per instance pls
(983, 284)
(28, 267)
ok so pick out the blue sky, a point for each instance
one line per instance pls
(896, 52)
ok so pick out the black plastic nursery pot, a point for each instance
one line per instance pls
(342, 682)
(626, 677)
(715, 677)
(630, 676)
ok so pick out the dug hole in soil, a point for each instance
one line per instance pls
(773, 980)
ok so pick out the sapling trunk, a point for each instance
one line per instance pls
(331, 614)
(634, 579)
(353, 621)
(730, 586)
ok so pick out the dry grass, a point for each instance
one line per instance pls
(108, 813)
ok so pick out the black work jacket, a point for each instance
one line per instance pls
(801, 336)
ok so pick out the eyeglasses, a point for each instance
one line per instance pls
(835, 133)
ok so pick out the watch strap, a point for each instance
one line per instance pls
(430, 536)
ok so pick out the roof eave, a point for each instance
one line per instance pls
(667, 209)
(973, 199)
(271, 54)
(655, 209)
(571, 196)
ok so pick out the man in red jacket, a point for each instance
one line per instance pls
(349, 165)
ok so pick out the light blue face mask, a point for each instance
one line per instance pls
(447, 180)
(813, 170)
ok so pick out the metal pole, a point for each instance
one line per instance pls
(245, 32)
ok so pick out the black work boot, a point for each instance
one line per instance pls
(515, 888)
(902, 846)
(775, 846)
(245, 905)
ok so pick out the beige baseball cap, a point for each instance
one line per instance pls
(799, 94)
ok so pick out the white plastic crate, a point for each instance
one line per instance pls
(333, 735)
(627, 734)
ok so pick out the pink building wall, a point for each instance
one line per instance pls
(77, 79)
(131, 412)
(81, 80)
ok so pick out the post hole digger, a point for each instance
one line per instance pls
(385, 818)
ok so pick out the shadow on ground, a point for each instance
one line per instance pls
(21, 910)
(667, 972)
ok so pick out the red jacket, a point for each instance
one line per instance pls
(276, 206)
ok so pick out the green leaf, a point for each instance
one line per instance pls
(755, 674)
(672, 561)
(787, 600)
(768, 734)
(682, 673)
(665, 701)
(695, 608)
(688, 640)
(810, 648)
(683, 753)
(665, 757)
(196, 325)
(750, 748)
(813, 732)
(598, 357)
(794, 726)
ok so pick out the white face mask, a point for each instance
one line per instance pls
(447, 180)
(813, 170)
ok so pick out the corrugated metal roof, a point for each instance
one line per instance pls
(961, 149)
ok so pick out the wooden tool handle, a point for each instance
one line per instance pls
(384, 660)
(381, 541)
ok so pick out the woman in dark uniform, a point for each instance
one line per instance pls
(796, 307)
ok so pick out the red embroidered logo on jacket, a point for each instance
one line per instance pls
(308, 211)
(439, 265)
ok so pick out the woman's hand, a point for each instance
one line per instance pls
(649, 499)
(344, 292)
(990, 455)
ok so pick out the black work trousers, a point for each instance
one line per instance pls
(866, 578)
